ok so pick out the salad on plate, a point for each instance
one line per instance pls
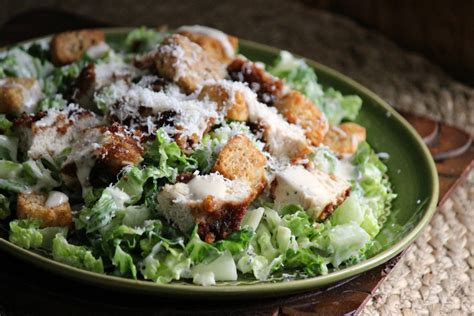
(170, 157)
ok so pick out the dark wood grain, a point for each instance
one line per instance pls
(28, 290)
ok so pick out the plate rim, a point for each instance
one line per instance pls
(267, 288)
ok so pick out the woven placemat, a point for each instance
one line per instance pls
(436, 276)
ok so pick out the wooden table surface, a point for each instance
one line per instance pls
(27, 290)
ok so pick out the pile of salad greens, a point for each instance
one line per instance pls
(122, 234)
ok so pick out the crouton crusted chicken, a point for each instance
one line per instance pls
(318, 192)
(213, 202)
(100, 153)
(48, 134)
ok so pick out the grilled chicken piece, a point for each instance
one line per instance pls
(319, 193)
(216, 204)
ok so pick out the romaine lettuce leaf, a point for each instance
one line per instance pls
(76, 256)
(8, 147)
(27, 234)
(4, 206)
(142, 40)
(167, 261)
(124, 263)
(29, 175)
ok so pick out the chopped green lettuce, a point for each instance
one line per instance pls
(18, 63)
(4, 206)
(5, 124)
(27, 233)
(167, 261)
(29, 175)
(76, 256)
(124, 263)
(142, 39)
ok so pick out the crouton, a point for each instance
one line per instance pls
(317, 192)
(216, 204)
(19, 95)
(52, 209)
(232, 102)
(298, 109)
(217, 44)
(186, 63)
(345, 138)
(68, 47)
(241, 159)
(267, 87)
(105, 150)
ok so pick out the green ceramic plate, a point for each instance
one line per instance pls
(411, 170)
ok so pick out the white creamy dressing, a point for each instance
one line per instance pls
(216, 185)
(345, 169)
(119, 196)
(31, 97)
(56, 198)
(220, 36)
(202, 186)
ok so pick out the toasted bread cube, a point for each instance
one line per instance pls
(35, 205)
(298, 109)
(345, 138)
(266, 86)
(317, 192)
(233, 102)
(19, 95)
(67, 47)
(239, 158)
(217, 44)
(186, 63)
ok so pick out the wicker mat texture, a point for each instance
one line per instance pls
(436, 276)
